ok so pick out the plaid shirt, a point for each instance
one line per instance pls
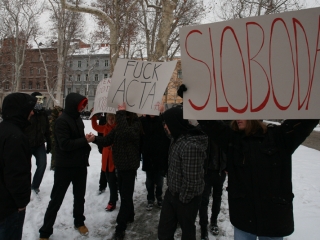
(186, 173)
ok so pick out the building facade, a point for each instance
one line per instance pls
(86, 67)
(37, 74)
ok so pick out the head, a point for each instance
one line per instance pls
(111, 118)
(174, 123)
(248, 126)
(18, 108)
(39, 103)
(75, 104)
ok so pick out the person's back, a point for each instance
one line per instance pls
(15, 164)
(259, 173)
(185, 176)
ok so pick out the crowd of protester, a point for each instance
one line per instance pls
(194, 158)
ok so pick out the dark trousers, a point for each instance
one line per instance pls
(174, 211)
(41, 161)
(102, 181)
(154, 178)
(62, 179)
(113, 187)
(126, 181)
(213, 180)
(11, 227)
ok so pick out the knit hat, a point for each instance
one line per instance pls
(173, 118)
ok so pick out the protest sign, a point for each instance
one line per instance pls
(265, 67)
(140, 84)
(100, 101)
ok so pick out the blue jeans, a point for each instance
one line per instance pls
(11, 227)
(154, 178)
(241, 235)
(41, 161)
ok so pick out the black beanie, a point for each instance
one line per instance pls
(173, 118)
(34, 94)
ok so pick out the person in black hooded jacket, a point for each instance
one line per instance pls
(155, 147)
(72, 154)
(38, 133)
(15, 164)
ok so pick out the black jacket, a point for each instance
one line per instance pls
(15, 156)
(39, 130)
(125, 138)
(259, 174)
(155, 145)
(72, 148)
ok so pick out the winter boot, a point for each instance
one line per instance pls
(214, 228)
(110, 207)
(204, 233)
(119, 235)
(83, 230)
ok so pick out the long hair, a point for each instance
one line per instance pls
(252, 127)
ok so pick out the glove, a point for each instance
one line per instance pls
(48, 150)
(182, 89)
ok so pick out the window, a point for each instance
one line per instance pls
(47, 58)
(38, 85)
(97, 63)
(70, 78)
(44, 85)
(87, 63)
(87, 77)
(106, 75)
(23, 85)
(30, 85)
(31, 71)
(79, 64)
(96, 77)
(106, 63)
(7, 86)
(82, 91)
(23, 72)
(78, 78)
(78, 90)
(179, 74)
(94, 91)
(39, 70)
(69, 90)
(39, 58)
(70, 64)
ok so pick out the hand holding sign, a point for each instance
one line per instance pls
(122, 107)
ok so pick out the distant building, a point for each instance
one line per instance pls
(34, 72)
(86, 67)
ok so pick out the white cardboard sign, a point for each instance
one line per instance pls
(100, 100)
(265, 67)
(140, 84)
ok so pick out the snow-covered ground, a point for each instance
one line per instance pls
(306, 184)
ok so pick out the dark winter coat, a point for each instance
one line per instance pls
(39, 130)
(125, 138)
(155, 145)
(259, 174)
(72, 148)
(15, 156)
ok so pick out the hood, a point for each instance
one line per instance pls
(173, 118)
(72, 102)
(16, 108)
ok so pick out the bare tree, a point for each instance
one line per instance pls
(66, 26)
(18, 24)
(116, 36)
(231, 9)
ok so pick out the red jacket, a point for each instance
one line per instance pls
(107, 160)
